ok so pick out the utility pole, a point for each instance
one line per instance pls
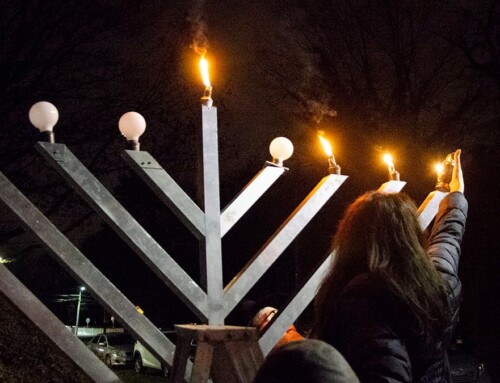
(82, 288)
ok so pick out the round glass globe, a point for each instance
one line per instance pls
(132, 125)
(281, 148)
(44, 115)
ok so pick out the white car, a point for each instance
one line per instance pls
(115, 349)
(144, 359)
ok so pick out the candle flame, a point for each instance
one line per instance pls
(204, 71)
(326, 146)
(388, 160)
(439, 168)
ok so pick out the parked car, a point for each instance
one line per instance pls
(143, 359)
(115, 349)
(85, 339)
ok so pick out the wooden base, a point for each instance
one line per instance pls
(226, 354)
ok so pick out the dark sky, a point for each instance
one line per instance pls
(252, 111)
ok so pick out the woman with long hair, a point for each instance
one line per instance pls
(391, 297)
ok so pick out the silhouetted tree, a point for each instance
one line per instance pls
(388, 70)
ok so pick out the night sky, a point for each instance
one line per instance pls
(416, 81)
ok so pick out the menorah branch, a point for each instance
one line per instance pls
(287, 232)
(55, 330)
(96, 195)
(249, 195)
(167, 190)
(295, 307)
(84, 271)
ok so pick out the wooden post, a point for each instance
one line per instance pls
(227, 354)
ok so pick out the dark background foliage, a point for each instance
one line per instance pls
(419, 80)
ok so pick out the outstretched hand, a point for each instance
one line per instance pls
(457, 178)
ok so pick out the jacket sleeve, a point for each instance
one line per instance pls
(444, 243)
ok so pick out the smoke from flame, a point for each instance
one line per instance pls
(198, 27)
(319, 109)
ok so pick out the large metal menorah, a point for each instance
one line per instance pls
(212, 304)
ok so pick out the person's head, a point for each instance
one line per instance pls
(380, 233)
(305, 361)
(263, 317)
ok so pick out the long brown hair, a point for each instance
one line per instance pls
(380, 233)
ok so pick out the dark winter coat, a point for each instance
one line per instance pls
(370, 326)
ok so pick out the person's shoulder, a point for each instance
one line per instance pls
(366, 285)
(370, 295)
(368, 307)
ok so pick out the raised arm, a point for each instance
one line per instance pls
(447, 233)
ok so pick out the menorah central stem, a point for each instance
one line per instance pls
(212, 261)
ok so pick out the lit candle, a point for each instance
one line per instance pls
(207, 94)
(393, 173)
(333, 167)
(439, 169)
(444, 172)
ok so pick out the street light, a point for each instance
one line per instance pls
(82, 288)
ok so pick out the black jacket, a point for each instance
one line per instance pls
(370, 326)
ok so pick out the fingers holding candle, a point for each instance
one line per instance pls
(333, 167)
(449, 174)
(457, 178)
(393, 173)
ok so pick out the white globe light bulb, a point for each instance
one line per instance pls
(44, 115)
(132, 125)
(281, 148)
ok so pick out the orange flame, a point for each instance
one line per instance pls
(204, 71)
(326, 146)
(439, 168)
(388, 160)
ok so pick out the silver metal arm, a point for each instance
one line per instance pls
(85, 272)
(287, 232)
(92, 191)
(167, 190)
(249, 195)
(295, 307)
